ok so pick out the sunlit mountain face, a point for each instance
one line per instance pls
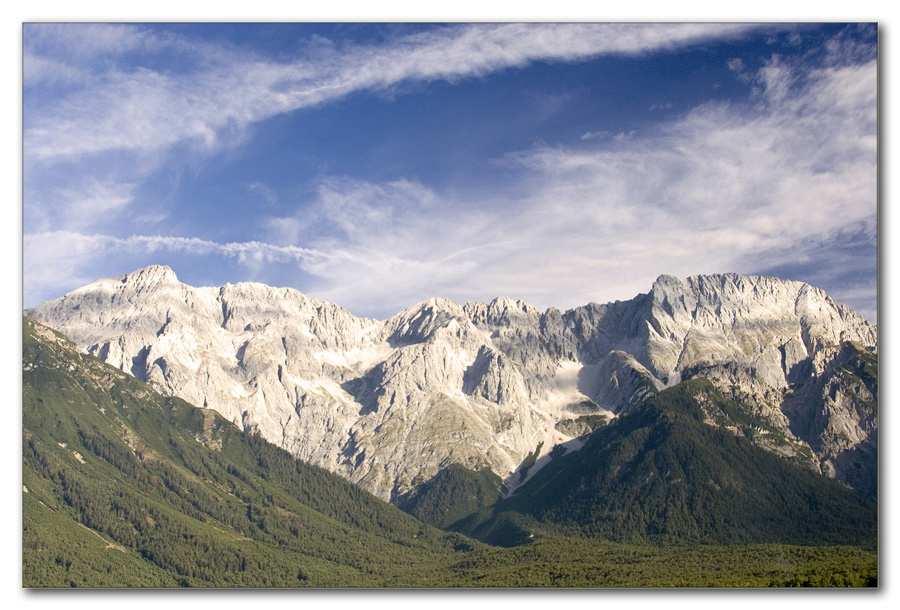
(497, 386)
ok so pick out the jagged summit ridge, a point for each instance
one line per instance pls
(390, 403)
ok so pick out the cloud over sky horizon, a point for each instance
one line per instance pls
(378, 165)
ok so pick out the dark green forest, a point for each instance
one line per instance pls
(661, 476)
(123, 487)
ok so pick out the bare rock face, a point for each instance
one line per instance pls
(842, 381)
(388, 404)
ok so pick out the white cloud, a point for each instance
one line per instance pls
(744, 190)
(142, 109)
(97, 110)
(388, 244)
(722, 188)
(77, 206)
(82, 205)
(99, 118)
(85, 41)
(38, 70)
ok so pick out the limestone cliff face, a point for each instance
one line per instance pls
(841, 382)
(390, 403)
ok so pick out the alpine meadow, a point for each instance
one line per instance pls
(446, 306)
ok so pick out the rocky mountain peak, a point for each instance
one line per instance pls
(150, 277)
(502, 312)
(154, 272)
(424, 321)
(506, 306)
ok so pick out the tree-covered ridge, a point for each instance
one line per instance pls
(454, 493)
(661, 475)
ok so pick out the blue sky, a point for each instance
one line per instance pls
(378, 165)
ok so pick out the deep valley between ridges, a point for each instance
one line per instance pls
(390, 404)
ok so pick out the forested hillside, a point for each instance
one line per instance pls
(677, 471)
(164, 494)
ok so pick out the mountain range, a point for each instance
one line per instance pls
(125, 487)
(498, 386)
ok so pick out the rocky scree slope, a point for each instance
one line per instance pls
(389, 404)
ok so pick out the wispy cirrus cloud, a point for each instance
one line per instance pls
(724, 187)
(727, 186)
(138, 108)
(107, 104)
(790, 179)
(77, 206)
